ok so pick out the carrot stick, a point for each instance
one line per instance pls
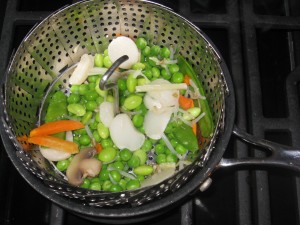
(98, 147)
(186, 80)
(24, 143)
(185, 103)
(194, 128)
(56, 127)
(55, 143)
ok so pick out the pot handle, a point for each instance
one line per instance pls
(281, 155)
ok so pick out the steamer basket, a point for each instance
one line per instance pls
(88, 27)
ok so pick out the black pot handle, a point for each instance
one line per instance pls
(281, 155)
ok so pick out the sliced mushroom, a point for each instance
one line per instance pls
(79, 167)
(90, 167)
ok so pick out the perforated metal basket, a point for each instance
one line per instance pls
(88, 27)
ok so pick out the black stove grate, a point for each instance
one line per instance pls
(260, 42)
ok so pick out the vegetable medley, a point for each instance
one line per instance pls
(141, 137)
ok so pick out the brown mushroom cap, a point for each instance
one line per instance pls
(74, 173)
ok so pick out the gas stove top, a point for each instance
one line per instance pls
(260, 43)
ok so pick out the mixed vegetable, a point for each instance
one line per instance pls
(152, 132)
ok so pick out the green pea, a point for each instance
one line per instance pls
(142, 155)
(84, 140)
(180, 149)
(134, 161)
(95, 186)
(174, 143)
(146, 51)
(86, 117)
(107, 143)
(138, 120)
(125, 154)
(171, 158)
(142, 108)
(133, 102)
(159, 149)
(90, 95)
(141, 43)
(122, 85)
(98, 60)
(107, 62)
(161, 158)
(86, 183)
(106, 185)
(154, 50)
(173, 68)
(147, 145)
(99, 100)
(144, 170)
(166, 74)
(73, 98)
(74, 88)
(115, 175)
(133, 184)
(107, 154)
(140, 178)
(155, 72)
(119, 165)
(103, 131)
(148, 73)
(131, 83)
(83, 89)
(165, 52)
(105, 53)
(91, 105)
(142, 81)
(76, 109)
(63, 165)
(93, 79)
(115, 188)
(177, 77)
(123, 183)
(104, 174)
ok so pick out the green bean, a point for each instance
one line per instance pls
(144, 170)
(98, 60)
(133, 184)
(133, 102)
(131, 83)
(76, 109)
(103, 131)
(107, 154)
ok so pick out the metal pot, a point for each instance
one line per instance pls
(58, 42)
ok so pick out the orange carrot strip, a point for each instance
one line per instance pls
(55, 143)
(194, 127)
(56, 127)
(185, 103)
(186, 80)
(98, 147)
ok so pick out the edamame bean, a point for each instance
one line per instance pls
(131, 83)
(86, 117)
(142, 155)
(103, 131)
(122, 85)
(96, 136)
(107, 62)
(132, 102)
(98, 60)
(62, 165)
(133, 184)
(144, 170)
(107, 154)
(76, 109)
(191, 113)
